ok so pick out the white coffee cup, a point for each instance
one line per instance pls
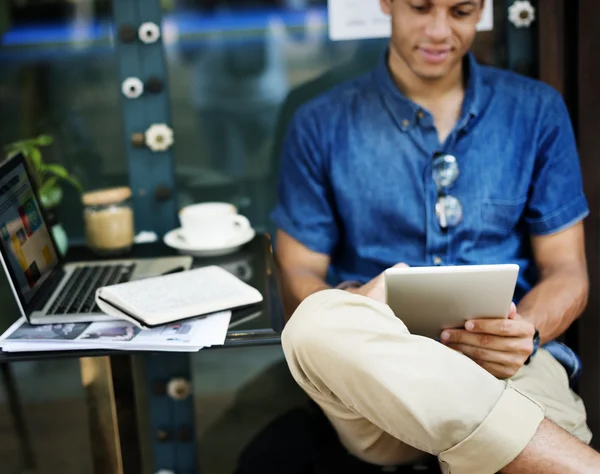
(210, 224)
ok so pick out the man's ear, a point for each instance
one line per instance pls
(386, 6)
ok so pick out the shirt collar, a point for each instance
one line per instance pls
(407, 113)
(474, 94)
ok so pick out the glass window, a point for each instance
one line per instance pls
(58, 76)
(237, 72)
(232, 66)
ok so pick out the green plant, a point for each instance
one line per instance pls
(48, 176)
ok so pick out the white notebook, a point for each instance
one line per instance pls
(165, 299)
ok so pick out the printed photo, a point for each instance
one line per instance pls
(176, 329)
(111, 332)
(63, 332)
(175, 332)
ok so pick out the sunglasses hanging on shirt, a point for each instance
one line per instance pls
(448, 208)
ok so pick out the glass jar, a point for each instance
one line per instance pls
(108, 220)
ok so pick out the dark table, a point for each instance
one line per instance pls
(109, 376)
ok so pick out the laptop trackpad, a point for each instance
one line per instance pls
(157, 266)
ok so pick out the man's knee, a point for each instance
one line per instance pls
(335, 321)
(310, 326)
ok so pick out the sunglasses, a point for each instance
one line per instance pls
(448, 208)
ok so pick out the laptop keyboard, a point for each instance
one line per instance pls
(79, 294)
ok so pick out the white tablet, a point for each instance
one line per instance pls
(430, 299)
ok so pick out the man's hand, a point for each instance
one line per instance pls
(375, 288)
(500, 346)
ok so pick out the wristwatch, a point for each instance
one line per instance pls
(536, 345)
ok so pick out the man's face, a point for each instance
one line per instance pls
(432, 36)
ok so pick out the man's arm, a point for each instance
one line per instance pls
(503, 346)
(303, 271)
(554, 451)
(562, 291)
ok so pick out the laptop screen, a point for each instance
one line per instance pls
(28, 247)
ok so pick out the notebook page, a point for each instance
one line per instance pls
(181, 295)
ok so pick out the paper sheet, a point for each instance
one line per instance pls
(363, 19)
(188, 336)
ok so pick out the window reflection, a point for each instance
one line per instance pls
(237, 72)
(58, 76)
(232, 66)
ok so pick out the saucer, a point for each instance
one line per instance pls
(175, 240)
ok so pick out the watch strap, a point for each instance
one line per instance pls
(536, 345)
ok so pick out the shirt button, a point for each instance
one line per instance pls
(437, 260)
(405, 123)
(421, 114)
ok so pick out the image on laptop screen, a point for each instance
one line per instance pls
(25, 238)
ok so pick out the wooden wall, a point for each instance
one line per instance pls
(569, 60)
(588, 131)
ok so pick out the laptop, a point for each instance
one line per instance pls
(47, 289)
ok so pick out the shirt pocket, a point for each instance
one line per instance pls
(501, 216)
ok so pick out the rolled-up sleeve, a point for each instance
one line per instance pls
(556, 198)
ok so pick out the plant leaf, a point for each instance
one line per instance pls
(51, 196)
(25, 144)
(48, 185)
(17, 147)
(62, 173)
(57, 170)
(75, 183)
(44, 140)
(35, 156)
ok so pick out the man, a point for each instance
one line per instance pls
(432, 159)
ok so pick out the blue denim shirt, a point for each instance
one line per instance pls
(356, 178)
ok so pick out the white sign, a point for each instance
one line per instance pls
(362, 19)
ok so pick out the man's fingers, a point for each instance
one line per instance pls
(375, 288)
(460, 336)
(487, 355)
(378, 280)
(501, 327)
(488, 341)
